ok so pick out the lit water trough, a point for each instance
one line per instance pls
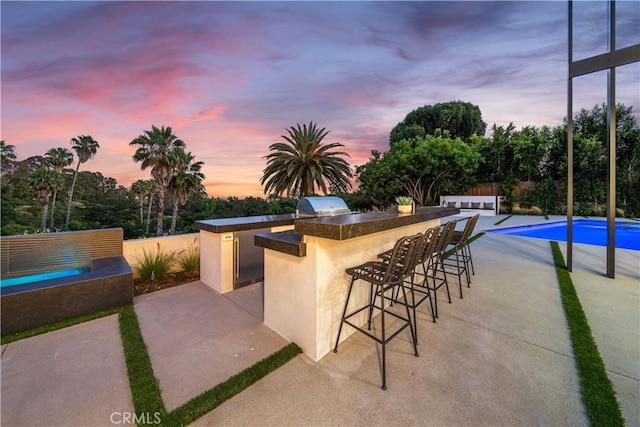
(42, 276)
(45, 278)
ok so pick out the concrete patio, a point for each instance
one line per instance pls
(500, 356)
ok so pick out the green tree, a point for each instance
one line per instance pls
(186, 180)
(154, 151)
(7, 159)
(151, 189)
(86, 148)
(44, 182)
(138, 189)
(545, 195)
(590, 160)
(7, 152)
(58, 158)
(500, 158)
(529, 147)
(423, 168)
(589, 169)
(459, 119)
(297, 166)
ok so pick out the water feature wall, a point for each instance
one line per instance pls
(108, 284)
(28, 254)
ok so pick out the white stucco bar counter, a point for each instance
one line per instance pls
(305, 284)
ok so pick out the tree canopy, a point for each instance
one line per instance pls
(422, 168)
(455, 119)
(302, 163)
(155, 150)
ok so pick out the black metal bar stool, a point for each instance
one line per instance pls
(436, 269)
(383, 278)
(458, 262)
(416, 281)
(460, 240)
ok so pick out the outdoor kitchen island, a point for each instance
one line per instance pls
(305, 284)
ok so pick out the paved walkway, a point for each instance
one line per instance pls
(500, 356)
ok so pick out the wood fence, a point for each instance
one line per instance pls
(493, 189)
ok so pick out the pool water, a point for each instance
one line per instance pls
(590, 232)
(42, 276)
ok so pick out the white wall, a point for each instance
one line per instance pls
(132, 250)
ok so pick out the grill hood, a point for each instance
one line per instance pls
(322, 206)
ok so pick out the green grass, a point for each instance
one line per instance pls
(212, 398)
(145, 390)
(58, 325)
(503, 220)
(471, 239)
(597, 391)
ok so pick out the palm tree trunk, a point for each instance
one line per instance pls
(149, 214)
(45, 209)
(140, 196)
(53, 208)
(159, 224)
(174, 218)
(73, 186)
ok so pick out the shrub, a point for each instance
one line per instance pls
(189, 261)
(154, 265)
(534, 210)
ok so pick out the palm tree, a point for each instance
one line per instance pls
(150, 190)
(186, 180)
(297, 166)
(44, 181)
(86, 148)
(144, 189)
(59, 158)
(154, 151)
(138, 188)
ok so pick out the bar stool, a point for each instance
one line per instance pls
(383, 278)
(460, 240)
(457, 263)
(436, 264)
(416, 282)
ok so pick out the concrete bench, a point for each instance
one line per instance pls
(470, 205)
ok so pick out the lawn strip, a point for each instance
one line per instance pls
(598, 394)
(58, 325)
(503, 220)
(211, 399)
(471, 239)
(145, 391)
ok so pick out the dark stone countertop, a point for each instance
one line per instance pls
(288, 242)
(227, 225)
(343, 227)
(339, 227)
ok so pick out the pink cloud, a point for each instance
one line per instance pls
(211, 113)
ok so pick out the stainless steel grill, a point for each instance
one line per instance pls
(322, 206)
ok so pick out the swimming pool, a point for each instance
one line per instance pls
(13, 281)
(587, 231)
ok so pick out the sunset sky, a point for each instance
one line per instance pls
(230, 77)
